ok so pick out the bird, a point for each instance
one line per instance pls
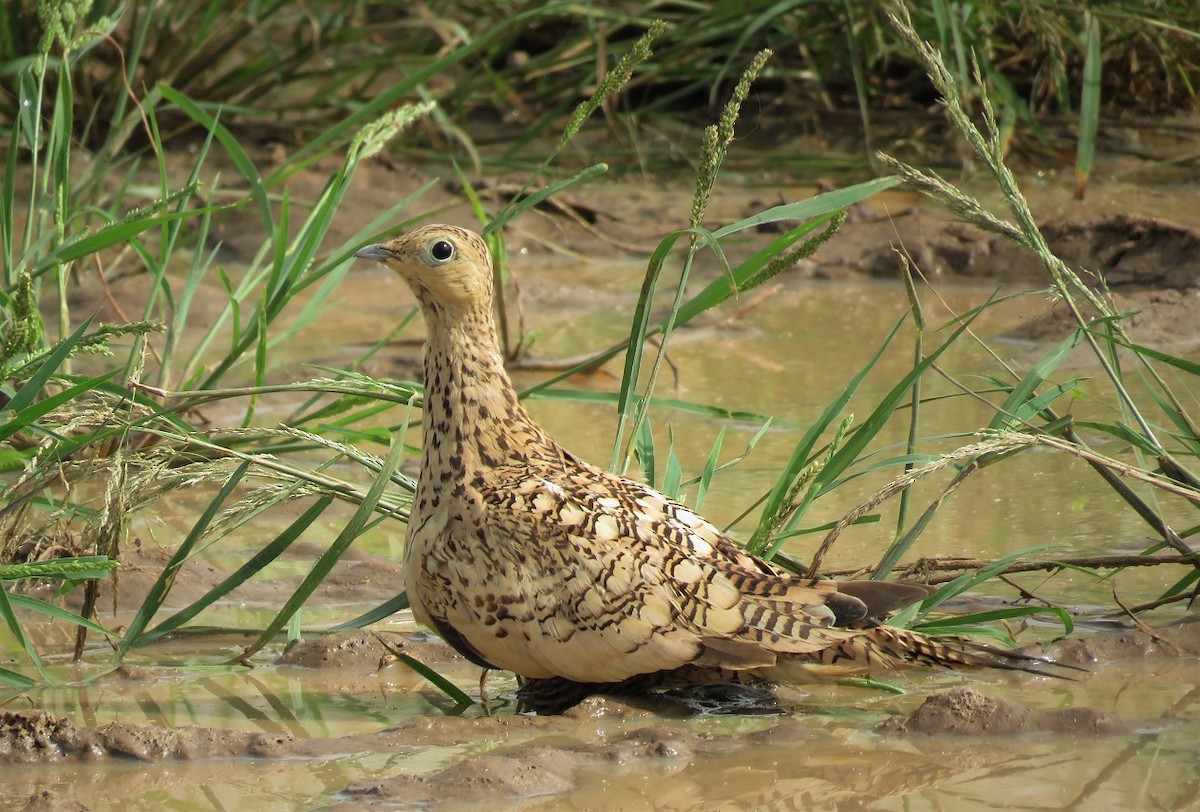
(524, 557)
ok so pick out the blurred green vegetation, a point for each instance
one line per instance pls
(288, 72)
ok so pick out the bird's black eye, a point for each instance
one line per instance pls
(441, 250)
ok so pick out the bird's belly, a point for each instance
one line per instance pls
(496, 614)
(484, 606)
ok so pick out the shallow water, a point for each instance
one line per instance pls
(823, 756)
(785, 355)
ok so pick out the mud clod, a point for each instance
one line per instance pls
(966, 712)
(529, 771)
(34, 736)
(38, 737)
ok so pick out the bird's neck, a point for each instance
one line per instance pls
(472, 418)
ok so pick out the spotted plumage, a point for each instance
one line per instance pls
(526, 558)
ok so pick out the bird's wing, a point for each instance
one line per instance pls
(623, 581)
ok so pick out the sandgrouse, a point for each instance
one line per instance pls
(526, 558)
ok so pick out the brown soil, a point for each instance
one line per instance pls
(1152, 266)
(50, 801)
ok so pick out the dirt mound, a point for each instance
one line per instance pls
(531, 770)
(966, 712)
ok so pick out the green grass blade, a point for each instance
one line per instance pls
(58, 613)
(739, 279)
(969, 581)
(325, 562)
(16, 680)
(638, 331)
(819, 206)
(444, 685)
(950, 625)
(760, 542)
(8, 207)
(30, 414)
(525, 203)
(383, 610)
(645, 452)
(703, 409)
(858, 441)
(1183, 583)
(114, 234)
(1121, 432)
(248, 570)
(672, 472)
(711, 465)
(162, 585)
(901, 545)
(24, 396)
(1142, 351)
(14, 627)
(1089, 104)
(1007, 417)
(243, 162)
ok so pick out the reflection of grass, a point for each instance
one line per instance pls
(137, 429)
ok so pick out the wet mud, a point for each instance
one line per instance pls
(660, 762)
(31, 736)
(35, 736)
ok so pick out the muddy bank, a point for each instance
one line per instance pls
(514, 760)
(1151, 267)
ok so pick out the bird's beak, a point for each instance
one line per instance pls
(376, 251)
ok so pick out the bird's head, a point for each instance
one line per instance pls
(448, 268)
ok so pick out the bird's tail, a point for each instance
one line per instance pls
(881, 647)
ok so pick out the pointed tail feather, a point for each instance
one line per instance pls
(889, 646)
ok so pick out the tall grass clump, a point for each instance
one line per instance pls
(1160, 434)
(88, 439)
